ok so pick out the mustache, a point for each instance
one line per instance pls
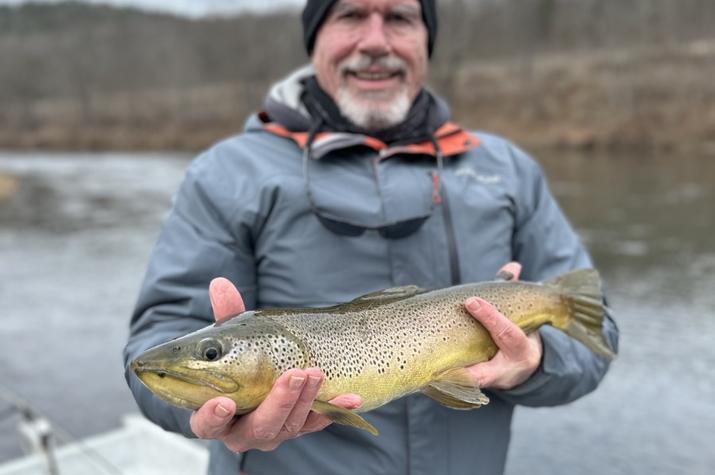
(364, 61)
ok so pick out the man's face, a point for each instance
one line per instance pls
(371, 57)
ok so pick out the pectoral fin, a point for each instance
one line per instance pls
(343, 416)
(456, 389)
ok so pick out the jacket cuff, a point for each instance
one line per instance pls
(183, 418)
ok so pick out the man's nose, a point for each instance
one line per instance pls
(374, 40)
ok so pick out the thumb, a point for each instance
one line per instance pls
(225, 299)
(214, 418)
(509, 272)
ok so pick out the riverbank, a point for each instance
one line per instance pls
(659, 99)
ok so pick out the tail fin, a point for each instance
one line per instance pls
(583, 295)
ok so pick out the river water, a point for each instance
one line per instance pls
(76, 231)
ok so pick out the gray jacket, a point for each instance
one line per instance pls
(242, 212)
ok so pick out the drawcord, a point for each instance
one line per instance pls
(439, 196)
(307, 155)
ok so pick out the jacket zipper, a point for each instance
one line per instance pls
(454, 270)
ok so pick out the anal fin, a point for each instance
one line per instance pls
(343, 416)
(456, 388)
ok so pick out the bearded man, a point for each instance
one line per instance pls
(353, 179)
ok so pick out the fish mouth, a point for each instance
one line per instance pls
(205, 378)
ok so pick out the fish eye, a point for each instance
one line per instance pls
(211, 354)
(210, 349)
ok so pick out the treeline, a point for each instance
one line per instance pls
(77, 50)
(506, 27)
(124, 70)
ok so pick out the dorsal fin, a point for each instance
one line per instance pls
(389, 295)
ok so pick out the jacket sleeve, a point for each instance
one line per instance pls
(199, 241)
(546, 245)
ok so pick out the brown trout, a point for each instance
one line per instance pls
(381, 346)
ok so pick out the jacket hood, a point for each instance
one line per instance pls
(284, 103)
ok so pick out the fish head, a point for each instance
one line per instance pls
(238, 358)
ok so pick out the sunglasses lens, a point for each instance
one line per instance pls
(339, 227)
(402, 229)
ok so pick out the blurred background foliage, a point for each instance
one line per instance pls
(564, 73)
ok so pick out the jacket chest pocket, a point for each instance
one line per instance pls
(301, 262)
(483, 217)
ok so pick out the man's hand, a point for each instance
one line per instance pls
(283, 415)
(518, 356)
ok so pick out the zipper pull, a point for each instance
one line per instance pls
(436, 185)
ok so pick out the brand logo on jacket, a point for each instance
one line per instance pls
(485, 179)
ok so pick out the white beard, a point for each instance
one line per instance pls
(373, 113)
(373, 110)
